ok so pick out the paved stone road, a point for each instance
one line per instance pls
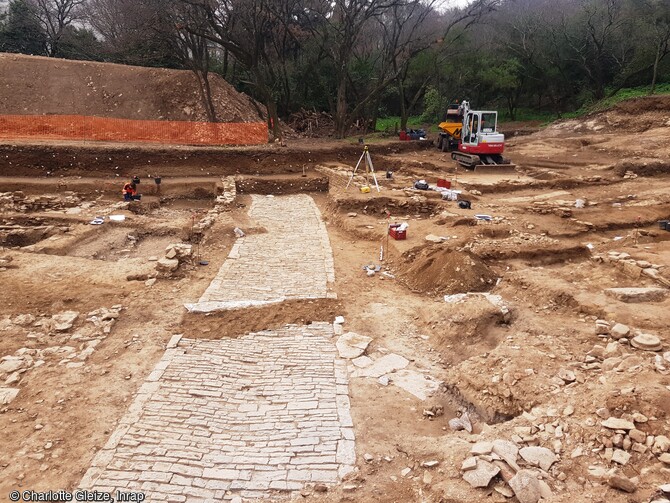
(234, 418)
(293, 260)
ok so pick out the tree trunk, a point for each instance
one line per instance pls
(655, 74)
(341, 107)
(273, 119)
(404, 112)
(225, 63)
(209, 104)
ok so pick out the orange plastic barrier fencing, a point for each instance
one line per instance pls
(81, 127)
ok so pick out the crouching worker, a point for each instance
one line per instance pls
(130, 192)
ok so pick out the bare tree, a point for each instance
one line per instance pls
(248, 30)
(407, 29)
(55, 16)
(191, 48)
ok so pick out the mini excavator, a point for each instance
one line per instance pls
(473, 139)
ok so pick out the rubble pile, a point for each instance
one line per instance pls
(632, 267)
(311, 124)
(562, 209)
(61, 338)
(622, 352)
(518, 241)
(522, 472)
(175, 255)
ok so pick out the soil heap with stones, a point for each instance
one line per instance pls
(67, 87)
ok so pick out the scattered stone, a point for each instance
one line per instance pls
(526, 487)
(320, 488)
(352, 215)
(167, 265)
(481, 475)
(434, 411)
(664, 458)
(614, 423)
(11, 364)
(64, 320)
(339, 320)
(638, 436)
(603, 412)
(405, 471)
(504, 490)
(630, 295)
(508, 451)
(622, 483)
(646, 342)
(7, 395)
(661, 444)
(352, 345)
(384, 380)
(619, 330)
(469, 464)
(461, 423)
(567, 375)
(538, 456)
(385, 365)
(481, 448)
(153, 258)
(368, 457)
(545, 490)
(13, 378)
(150, 282)
(602, 327)
(39, 426)
(362, 361)
(620, 457)
(569, 410)
(23, 320)
(430, 464)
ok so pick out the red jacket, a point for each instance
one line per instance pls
(128, 189)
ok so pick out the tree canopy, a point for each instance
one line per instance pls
(361, 59)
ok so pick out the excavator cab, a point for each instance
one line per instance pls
(480, 135)
(481, 144)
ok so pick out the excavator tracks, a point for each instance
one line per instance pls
(484, 163)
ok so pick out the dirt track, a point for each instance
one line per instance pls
(553, 260)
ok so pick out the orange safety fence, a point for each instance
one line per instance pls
(82, 127)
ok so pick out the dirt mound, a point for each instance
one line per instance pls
(659, 103)
(642, 167)
(632, 116)
(437, 270)
(68, 87)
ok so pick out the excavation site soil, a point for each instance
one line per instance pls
(249, 330)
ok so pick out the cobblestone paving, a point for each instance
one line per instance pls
(234, 419)
(293, 260)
